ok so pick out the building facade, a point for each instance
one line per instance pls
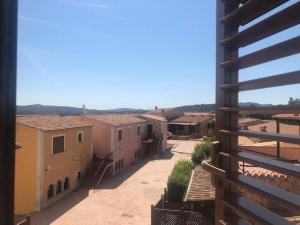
(54, 155)
(124, 139)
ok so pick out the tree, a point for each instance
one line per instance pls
(293, 101)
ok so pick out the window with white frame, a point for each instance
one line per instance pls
(80, 137)
(58, 144)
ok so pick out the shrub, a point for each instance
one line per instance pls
(202, 151)
(198, 155)
(179, 179)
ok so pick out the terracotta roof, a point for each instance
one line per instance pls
(287, 116)
(211, 114)
(49, 122)
(200, 188)
(154, 117)
(191, 119)
(116, 120)
(271, 127)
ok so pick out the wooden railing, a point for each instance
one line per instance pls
(232, 205)
(25, 221)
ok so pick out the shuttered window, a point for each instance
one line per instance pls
(234, 204)
(58, 144)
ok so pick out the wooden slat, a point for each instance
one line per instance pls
(239, 222)
(235, 1)
(266, 82)
(278, 22)
(254, 212)
(212, 169)
(271, 110)
(251, 10)
(267, 163)
(284, 198)
(264, 135)
(277, 51)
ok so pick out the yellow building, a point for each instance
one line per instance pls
(55, 154)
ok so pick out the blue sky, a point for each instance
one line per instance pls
(128, 53)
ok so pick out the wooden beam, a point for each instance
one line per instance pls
(8, 50)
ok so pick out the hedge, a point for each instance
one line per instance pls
(179, 179)
(202, 151)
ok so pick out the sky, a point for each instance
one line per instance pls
(130, 53)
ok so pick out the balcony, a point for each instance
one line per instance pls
(148, 138)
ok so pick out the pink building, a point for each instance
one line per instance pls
(126, 138)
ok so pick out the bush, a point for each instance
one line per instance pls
(198, 155)
(202, 151)
(179, 179)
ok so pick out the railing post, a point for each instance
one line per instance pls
(154, 219)
(28, 220)
(278, 142)
(219, 195)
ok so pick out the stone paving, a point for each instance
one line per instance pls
(122, 200)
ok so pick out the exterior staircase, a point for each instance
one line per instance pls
(97, 171)
(154, 149)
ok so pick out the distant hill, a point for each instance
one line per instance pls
(211, 107)
(66, 110)
(197, 108)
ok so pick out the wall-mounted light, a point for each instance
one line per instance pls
(48, 168)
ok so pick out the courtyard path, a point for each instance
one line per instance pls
(125, 199)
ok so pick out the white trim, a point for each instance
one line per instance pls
(112, 140)
(118, 134)
(59, 135)
(129, 131)
(40, 169)
(82, 136)
(92, 144)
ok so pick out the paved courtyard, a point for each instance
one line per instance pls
(122, 200)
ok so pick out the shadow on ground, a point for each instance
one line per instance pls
(116, 181)
(53, 212)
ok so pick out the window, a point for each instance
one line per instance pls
(79, 175)
(149, 128)
(50, 191)
(120, 135)
(138, 130)
(66, 183)
(59, 187)
(80, 137)
(58, 144)
(129, 131)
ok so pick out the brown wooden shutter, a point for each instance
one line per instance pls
(232, 205)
